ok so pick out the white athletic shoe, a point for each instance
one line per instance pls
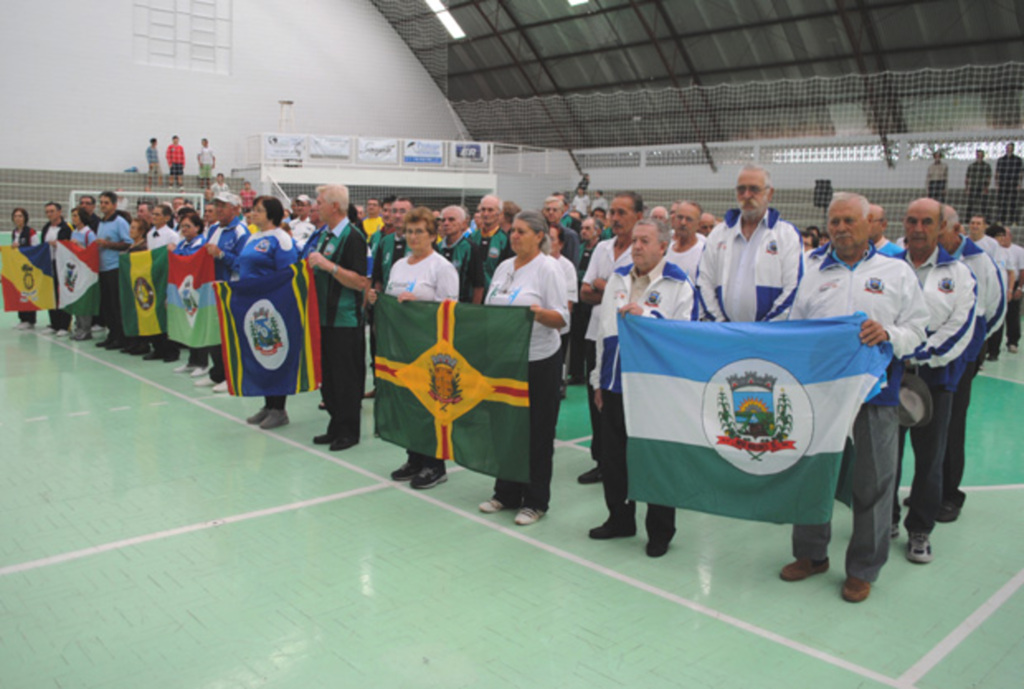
(200, 372)
(204, 383)
(221, 386)
(97, 328)
(22, 325)
(48, 330)
(184, 368)
(61, 333)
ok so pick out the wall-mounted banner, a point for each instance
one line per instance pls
(378, 151)
(470, 152)
(423, 152)
(283, 146)
(330, 147)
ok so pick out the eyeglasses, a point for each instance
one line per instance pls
(742, 189)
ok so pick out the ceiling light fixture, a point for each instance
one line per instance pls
(573, 3)
(454, 30)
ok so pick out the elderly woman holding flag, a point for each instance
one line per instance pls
(190, 227)
(532, 278)
(421, 275)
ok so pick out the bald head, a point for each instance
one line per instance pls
(877, 222)
(490, 212)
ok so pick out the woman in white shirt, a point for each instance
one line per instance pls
(422, 275)
(534, 279)
(556, 234)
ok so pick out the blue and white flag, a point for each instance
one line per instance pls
(745, 420)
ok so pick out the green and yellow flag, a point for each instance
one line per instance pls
(143, 281)
(452, 383)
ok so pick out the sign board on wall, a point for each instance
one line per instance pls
(469, 152)
(378, 151)
(330, 146)
(418, 152)
(283, 146)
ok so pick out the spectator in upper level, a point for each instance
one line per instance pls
(153, 162)
(175, 162)
(938, 178)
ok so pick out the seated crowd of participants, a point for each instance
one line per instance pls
(940, 297)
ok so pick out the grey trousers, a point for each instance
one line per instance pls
(875, 439)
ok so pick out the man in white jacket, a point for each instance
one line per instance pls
(849, 276)
(651, 288)
(753, 261)
(950, 292)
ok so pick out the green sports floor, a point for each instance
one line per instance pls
(150, 538)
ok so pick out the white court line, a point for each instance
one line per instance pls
(36, 418)
(79, 413)
(671, 597)
(956, 637)
(191, 528)
(980, 489)
(120, 408)
(158, 404)
(618, 576)
(1008, 380)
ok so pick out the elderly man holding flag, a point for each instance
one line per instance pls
(844, 278)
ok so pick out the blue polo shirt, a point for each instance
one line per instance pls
(114, 229)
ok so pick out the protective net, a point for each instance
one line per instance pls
(875, 134)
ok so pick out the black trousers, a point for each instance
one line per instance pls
(995, 343)
(1013, 322)
(577, 340)
(977, 204)
(953, 465)
(217, 374)
(1007, 200)
(343, 366)
(543, 377)
(27, 316)
(937, 191)
(110, 305)
(661, 520)
(275, 402)
(59, 320)
(929, 444)
(590, 359)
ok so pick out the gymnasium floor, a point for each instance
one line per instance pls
(150, 538)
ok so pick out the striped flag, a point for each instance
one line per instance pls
(744, 420)
(143, 284)
(27, 275)
(452, 383)
(78, 278)
(191, 303)
(270, 333)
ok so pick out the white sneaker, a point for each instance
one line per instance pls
(22, 325)
(221, 386)
(200, 372)
(61, 333)
(184, 368)
(490, 506)
(1012, 349)
(48, 330)
(97, 328)
(204, 383)
(528, 516)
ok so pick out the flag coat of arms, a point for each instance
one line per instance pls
(270, 333)
(452, 383)
(143, 285)
(744, 420)
(78, 278)
(27, 275)
(191, 303)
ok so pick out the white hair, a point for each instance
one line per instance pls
(757, 168)
(850, 197)
(335, 193)
(462, 212)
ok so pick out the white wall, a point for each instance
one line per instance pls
(76, 99)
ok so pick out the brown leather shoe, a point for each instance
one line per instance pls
(802, 568)
(855, 590)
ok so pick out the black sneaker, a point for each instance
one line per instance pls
(591, 476)
(406, 472)
(429, 477)
(948, 512)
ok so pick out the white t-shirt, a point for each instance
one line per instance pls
(688, 260)
(162, 236)
(602, 264)
(206, 156)
(569, 273)
(302, 230)
(432, 279)
(538, 282)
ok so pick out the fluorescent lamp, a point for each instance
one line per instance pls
(572, 3)
(454, 30)
(449, 23)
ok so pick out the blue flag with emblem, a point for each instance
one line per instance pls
(746, 420)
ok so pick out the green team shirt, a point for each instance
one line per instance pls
(495, 249)
(341, 307)
(390, 250)
(465, 256)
